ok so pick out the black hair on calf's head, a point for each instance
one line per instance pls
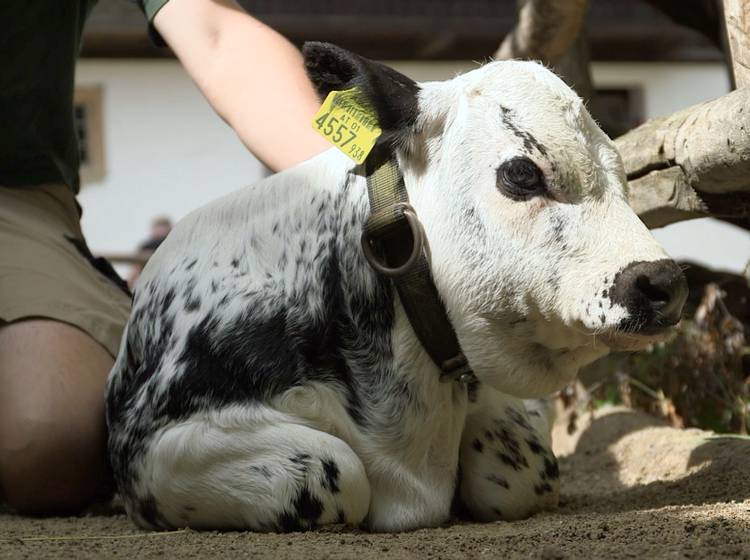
(392, 95)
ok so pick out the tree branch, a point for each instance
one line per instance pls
(546, 30)
(737, 23)
(693, 163)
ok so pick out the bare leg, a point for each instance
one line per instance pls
(52, 429)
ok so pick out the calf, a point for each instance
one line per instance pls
(270, 380)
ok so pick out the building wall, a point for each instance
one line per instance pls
(167, 153)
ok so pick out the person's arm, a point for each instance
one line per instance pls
(251, 75)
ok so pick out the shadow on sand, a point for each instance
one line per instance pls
(629, 461)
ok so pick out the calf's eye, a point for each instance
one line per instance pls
(520, 179)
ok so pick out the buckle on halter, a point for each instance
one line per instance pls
(390, 222)
(457, 369)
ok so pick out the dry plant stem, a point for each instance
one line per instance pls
(97, 537)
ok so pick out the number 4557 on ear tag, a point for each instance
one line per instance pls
(348, 124)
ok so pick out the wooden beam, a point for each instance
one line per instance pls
(693, 163)
(737, 24)
(546, 29)
(663, 197)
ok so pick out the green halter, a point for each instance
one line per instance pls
(395, 245)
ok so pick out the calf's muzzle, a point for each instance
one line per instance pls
(653, 293)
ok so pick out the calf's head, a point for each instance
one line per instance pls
(540, 261)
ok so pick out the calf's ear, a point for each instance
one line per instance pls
(392, 95)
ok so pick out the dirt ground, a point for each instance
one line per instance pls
(632, 488)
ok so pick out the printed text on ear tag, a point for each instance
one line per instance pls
(348, 124)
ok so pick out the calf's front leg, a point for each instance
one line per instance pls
(508, 470)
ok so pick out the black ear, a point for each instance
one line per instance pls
(392, 95)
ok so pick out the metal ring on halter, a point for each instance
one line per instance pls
(418, 243)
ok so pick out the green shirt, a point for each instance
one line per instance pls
(149, 9)
(38, 49)
(39, 45)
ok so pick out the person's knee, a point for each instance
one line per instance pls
(48, 470)
(52, 428)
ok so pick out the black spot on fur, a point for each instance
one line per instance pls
(603, 318)
(262, 470)
(330, 476)
(149, 512)
(235, 263)
(193, 304)
(558, 228)
(499, 480)
(301, 460)
(509, 451)
(189, 287)
(542, 488)
(554, 282)
(166, 301)
(191, 264)
(478, 445)
(529, 142)
(551, 469)
(307, 509)
(534, 445)
(510, 461)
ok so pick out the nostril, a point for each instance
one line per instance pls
(652, 292)
(655, 294)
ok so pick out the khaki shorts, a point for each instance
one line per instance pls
(47, 271)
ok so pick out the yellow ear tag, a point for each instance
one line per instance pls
(348, 124)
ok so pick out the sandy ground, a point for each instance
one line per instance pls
(632, 488)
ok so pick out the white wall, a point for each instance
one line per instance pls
(168, 153)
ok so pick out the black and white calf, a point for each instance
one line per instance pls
(270, 380)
